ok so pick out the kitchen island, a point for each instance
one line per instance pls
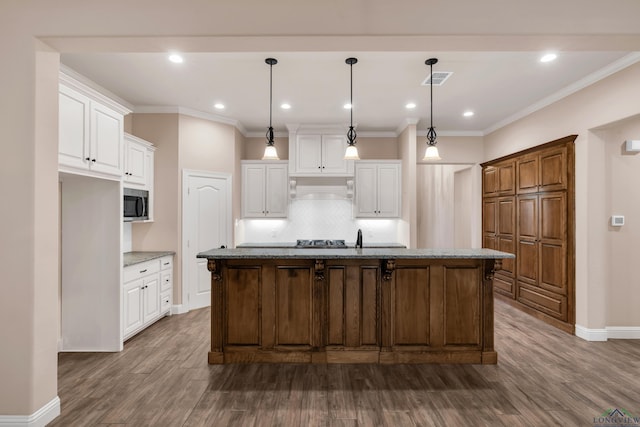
(371, 305)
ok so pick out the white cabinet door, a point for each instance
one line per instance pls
(308, 154)
(135, 163)
(107, 130)
(333, 149)
(377, 190)
(73, 131)
(151, 295)
(132, 306)
(253, 191)
(388, 191)
(276, 200)
(366, 190)
(265, 190)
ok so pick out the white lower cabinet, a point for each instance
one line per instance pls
(146, 294)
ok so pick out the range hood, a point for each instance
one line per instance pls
(321, 188)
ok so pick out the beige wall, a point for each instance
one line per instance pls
(254, 148)
(583, 113)
(162, 130)
(183, 142)
(454, 149)
(368, 148)
(622, 174)
(407, 151)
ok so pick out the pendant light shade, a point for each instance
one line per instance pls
(352, 150)
(270, 152)
(431, 152)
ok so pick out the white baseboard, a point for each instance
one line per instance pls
(179, 309)
(40, 418)
(623, 332)
(591, 334)
(609, 332)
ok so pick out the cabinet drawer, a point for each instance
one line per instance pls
(166, 262)
(166, 280)
(142, 269)
(165, 301)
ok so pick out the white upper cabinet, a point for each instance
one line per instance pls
(138, 162)
(318, 152)
(377, 193)
(264, 189)
(91, 130)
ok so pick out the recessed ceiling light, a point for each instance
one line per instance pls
(219, 106)
(347, 106)
(548, 57)
(176, 59)
(468, 113)
(410, 106)
(285, 106)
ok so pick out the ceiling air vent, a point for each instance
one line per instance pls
(439, 77)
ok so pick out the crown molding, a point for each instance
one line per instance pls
(592, 78)
(77, 81)
(405, 123)
(454, 133)
(154, 109)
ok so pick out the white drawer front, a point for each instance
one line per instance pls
(165, 302)
(166, 280)
(166, 262)
(143, 269)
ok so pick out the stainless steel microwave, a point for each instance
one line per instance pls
(136, 204)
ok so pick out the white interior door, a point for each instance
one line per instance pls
(206, 225)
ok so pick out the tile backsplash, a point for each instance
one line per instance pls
(319, 219)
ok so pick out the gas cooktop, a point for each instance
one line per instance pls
(330, 244)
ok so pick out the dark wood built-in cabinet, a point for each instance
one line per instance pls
(528, 210)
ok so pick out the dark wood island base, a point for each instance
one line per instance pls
(351, 310)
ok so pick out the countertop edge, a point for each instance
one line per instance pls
(137, 257)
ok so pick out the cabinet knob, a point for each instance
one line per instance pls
(87, 158)
(318, 166)
(93, 160)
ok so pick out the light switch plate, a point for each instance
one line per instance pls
(617, 220)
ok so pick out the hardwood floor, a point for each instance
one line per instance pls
(543, 377)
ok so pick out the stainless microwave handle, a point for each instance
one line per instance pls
(140, 203)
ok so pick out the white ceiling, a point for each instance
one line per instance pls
(495, 85)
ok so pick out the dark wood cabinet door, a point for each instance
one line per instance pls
(528, 217)
(553, 169)
(527, 174)
(490, 181)
(490, 216)
(507, 178)
(411, 310)
(553, 238)
(506, 218)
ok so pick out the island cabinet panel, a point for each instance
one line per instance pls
(293, 306)
(411, 307)
(243, 306)
(541, 281)
(462, 306)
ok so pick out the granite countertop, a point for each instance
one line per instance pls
(131, 258)
(380, 253)
(292, 245)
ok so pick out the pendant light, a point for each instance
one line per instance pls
(432, 151)
(352, 150)
(270, 152)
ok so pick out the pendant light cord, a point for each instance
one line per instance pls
(271, 62)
